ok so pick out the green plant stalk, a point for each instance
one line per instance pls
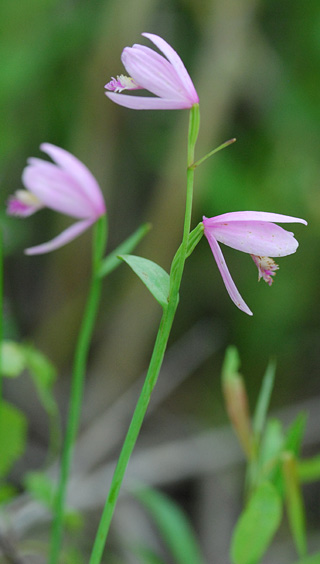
(1, 313)
(157, 355)
(77, 385)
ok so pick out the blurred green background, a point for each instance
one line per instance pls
(255, 65)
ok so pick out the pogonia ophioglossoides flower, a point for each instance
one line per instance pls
(167, 78)
(254, 233)
(66, 186)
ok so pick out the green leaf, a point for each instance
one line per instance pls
(174, 527)
(13, 434)
(231, 362)
(256, 525)
(16, 357)
(12, 359)
(111, 262)
(260, 414)
(295, 433)
(294, 502)
(271, 448)
(314, 559)
(152, 275)
(292, 444)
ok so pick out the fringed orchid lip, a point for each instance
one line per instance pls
(66, 186)
(254, 233)
(165, 77)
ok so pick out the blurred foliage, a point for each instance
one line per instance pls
(57, 55)
(255, 66)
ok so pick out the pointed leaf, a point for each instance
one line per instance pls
(174, 527)
(152, 275)
(295, 433)
(261, 410)
(13, 432)
(256, 526)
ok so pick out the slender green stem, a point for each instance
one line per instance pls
(157, 355)
(1, 313)
(77, 385)
(223, 146)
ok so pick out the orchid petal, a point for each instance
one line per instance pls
(56, 189)
(166, 78)
(145, 103)
(85, 179)
(226, 276)
(62, 239)
(255, 238)
(177, 63)
(152, 72)
(254, 216)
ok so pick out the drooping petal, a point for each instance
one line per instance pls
(226, 276)
(62, 239)
(86, 181)
(177, 63)
(145, 103)
(254, 237)
(254, 216)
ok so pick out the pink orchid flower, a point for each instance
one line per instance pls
(253, 233)
(67, 187)
(167, 78)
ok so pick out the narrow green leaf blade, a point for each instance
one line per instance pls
(13, 434)
(295, 433)
(256, 525)
(271, 448)
(294, 502)
(174, 527)
(110, 263)
(260, 414)
(152, 275)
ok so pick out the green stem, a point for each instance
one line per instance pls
(223, 146)
(77, 385)
(157, 355)
(1, 313)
